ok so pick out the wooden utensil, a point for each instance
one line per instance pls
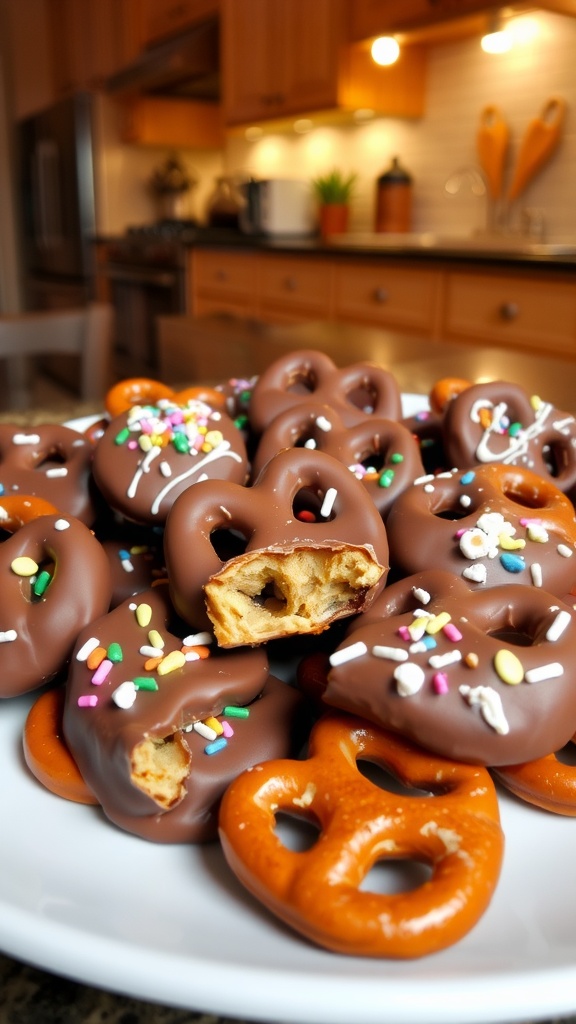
(540, 140)
(491, 146)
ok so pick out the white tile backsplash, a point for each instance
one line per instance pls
(461, 81)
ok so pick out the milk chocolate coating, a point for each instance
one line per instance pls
(540, 716)
(383, 447)
(141, 483)
(430, 523)
(359, 390)
(46, 626)
(499, 422)
(49, 461)
(102, 738)
(265, 517)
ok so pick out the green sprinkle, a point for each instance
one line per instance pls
(41, 583)
(231, 711)
(396, 457)
(181, 444)
(145, 683)
(514, 429)
(241, 421)
(122, 436)
(114, 652)
(386, 478)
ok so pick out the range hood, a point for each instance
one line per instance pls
(187, 66)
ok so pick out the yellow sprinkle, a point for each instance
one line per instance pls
(155, 639)
(213, 723)
(24, 566)
(206, 448)
(508, 667)
(159, 440)
(202, 430)
(508, 543)
(171, 662)
(143, 614)
(437, 622)
(214, 437)
(417, 626)
(535, 402)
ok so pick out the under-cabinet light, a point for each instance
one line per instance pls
(385, 50)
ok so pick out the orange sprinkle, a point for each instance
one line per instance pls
(95, 657)
(151, 664)
(485, 417)
(201, 651)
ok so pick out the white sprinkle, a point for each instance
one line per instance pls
(476, 573)
(475, 543)
(424, 479)
(191, 656)
(392, 653)
(125, 695)
(356, 650)
(323, 424)
(26, 439)
(55, 474)
(421, 595)
(165, 468)
(551, 671)
(127, 565)
(195, 639)
(310, 443)
(564, 551)
(490, 704)
(87, 648)
(205, 731)
(442, 660)
(560, 623)
(429, 488)
(465, 500)
(61, 524)
(409, 678)
(147, 651)
(537, 533)
(7, 635)
(536, 574)
(328, 503)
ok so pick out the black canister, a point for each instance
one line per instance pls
(394, 199)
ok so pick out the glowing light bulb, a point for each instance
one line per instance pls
(385, 50)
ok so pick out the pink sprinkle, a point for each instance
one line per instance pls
(227, 729)
(101, 672)
(452, 632)
(146, 426)
(132, 445)
(177, 416)
(459, 533)
(404, 634)
(89, 701)
(525, 521)
(440, 683)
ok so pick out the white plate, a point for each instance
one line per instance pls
(171, 925)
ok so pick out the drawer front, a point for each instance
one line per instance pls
(387, 294)
(225, 274)
(524, 311)
(296, 283)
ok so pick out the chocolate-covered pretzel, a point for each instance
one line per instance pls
(51, 461)
(311, 548)
(159, 721)
(382, 453)
(499, 422)
(490, 525)
(485, 677)
(359, 390)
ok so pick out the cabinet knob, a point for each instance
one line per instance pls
(509, 311)
(380, 295)
(291, 284)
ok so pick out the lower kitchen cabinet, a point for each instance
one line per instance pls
(295, 288)
(222, 281)
(521, 311)
(388, 295)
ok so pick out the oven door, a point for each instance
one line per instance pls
(140, 294)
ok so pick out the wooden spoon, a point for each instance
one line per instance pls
(540, 140)
(491, 146)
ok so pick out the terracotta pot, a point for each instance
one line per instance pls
(333, 219)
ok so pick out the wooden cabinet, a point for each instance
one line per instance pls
(91, 40)
(527, 311)
(283, 59)
(223, 281)
(375, 17)
(406, 296)
(164, 18)
(295, 288)
(152, 121)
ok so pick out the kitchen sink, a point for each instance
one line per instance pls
(430, 241)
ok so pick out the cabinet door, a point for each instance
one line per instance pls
(295, 288)
(388, 294)
(165, 18)
(373, 17)
(223, 281)
(508, 309)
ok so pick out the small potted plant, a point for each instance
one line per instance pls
(333, 192)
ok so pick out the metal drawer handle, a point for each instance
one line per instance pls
(509, 310)
(380, 295)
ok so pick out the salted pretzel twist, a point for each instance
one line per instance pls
(455, 831)
(547, 782)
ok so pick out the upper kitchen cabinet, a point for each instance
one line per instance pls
(284, 59)
(162, 19)
(91, 40)
(369, 18)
